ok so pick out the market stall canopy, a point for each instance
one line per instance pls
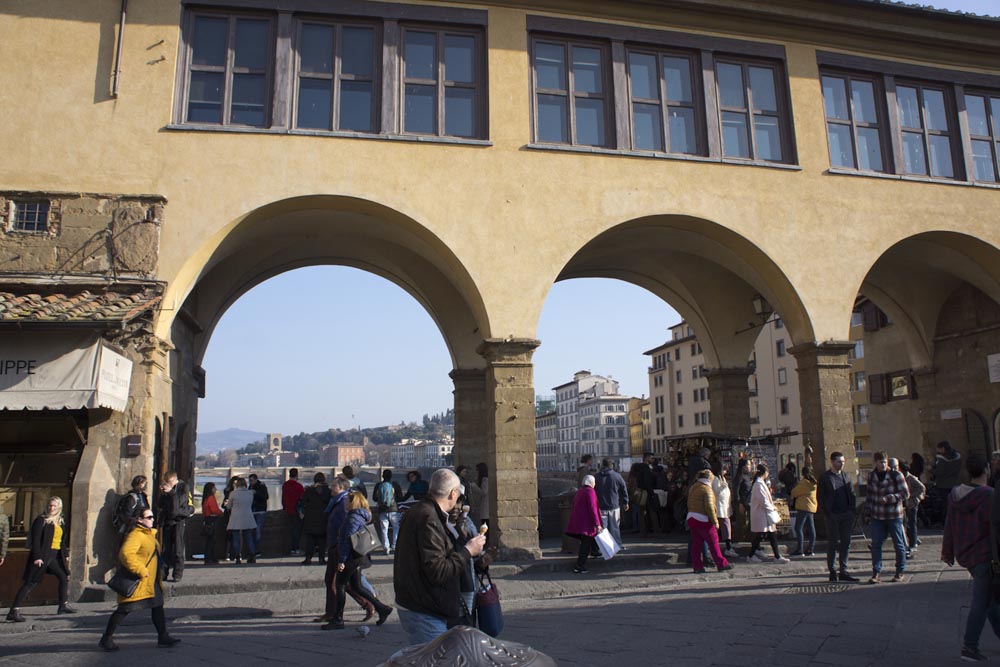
(55, 370)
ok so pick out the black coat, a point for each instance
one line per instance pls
(314, 502)
(41, 549)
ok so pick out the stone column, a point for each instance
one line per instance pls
(825, 394)
(510, 446)
(729, 400)
(470, 415)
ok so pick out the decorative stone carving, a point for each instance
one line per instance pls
(464, 646)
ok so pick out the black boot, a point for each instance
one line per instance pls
(383, 614)
(108, 644)
(335, 624)
(14, 615)
(166, 641)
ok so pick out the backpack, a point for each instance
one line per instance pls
(185, 503)
(385, 495)
(122, 513)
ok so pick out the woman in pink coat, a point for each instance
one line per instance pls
(584, 521)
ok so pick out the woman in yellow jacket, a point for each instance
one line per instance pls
(140, 555)
(804, 503)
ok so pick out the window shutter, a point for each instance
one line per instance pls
(870, 316)
(876, 389)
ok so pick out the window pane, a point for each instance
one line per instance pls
(356, 51)
(590, 122)
(420, 58)
(937, 119)
(909, 109)
(835, 98)
(841, 150)
(248, 99)
(677, 72)
(762, 89)
(982, 156)
(552, 119)
(870, 149)
(209, 45)
(913, 148)
(459, 58)
(647, 134)
(356, 106)
(316, 49)
(460, 112)
(863, 96)
(940, 149)
(587, 70)
(730, 85)
(680, 121)
(205, 97)
(767, 138)
(419, 109)
(251, 44)
(550, 66)
(734, 135)
(976, 107)
(642, 70)
(995, 105)
(314, 104)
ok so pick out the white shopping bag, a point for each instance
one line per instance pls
(606, 544)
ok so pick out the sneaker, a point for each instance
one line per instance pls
(701, 571)
(108, 644)
(728, 567)
(166, 641)
(875, 579)
(754, 559)
(810, 553)
(792, 554)
(833, 576)
(760, 554)
(897, 577)
(580, 570)
(14, 616)
(973, 655)
(65, 609)
(781, 560)
(844, 576)
(333, 625)
(731, 553)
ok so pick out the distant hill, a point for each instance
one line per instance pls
(231, 438)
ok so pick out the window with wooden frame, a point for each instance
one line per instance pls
(337, 76)
(229, 64)
(855, 125)
(442, 82)
(752, 114)
(665, 102)
(571, 92)
(983, 112)
(927, 127)
(29, 217)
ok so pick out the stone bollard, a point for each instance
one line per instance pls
(464, 645)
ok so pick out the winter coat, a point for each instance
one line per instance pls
(314, 502)
(479, 500)
(947, 470)
(967, 526)
(611, 491)
(804, 495)
(723, 506)
(427, 572)
(336, 513)
(41, 549)
(354, 522)
(240, 512)
(585, 518)
(917, 491)
(760, 504)
(701, 500)
(140, 556)
(260, 497)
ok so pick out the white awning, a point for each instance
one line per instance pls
(56, 370)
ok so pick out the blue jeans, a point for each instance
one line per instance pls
(241, 537)
(803, 519)
(983, 606)
(421, 628)
(384, 519)
(911, 527)
(258, 517)
(893, 528)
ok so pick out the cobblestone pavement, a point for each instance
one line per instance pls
(758, 615)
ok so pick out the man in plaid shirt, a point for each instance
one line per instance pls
(887, 491)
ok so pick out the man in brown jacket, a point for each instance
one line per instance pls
(428, 567)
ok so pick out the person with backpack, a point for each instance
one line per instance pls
(127, 505)
(355, 482)
(175, 506)
(385, 495)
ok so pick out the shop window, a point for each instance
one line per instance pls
(983, 112)
(752, 115)
(927, 126)
(664, 103)
(571, 92)
(228, 63)
(854, 122)
(442, 82)
(31, 217)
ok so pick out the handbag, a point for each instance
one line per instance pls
(489, 615)
(773, 517)
(606, 544)
(124, 581)
(365, 540)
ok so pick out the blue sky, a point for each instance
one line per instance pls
(372, 356)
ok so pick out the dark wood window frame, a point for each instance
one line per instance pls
(228, 70)
(570, 92)
(881, 125)
(993, 137)
(697, 104)
(952, 133)
(337, 76)
(781, 115)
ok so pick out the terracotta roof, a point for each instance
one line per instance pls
(79, 307)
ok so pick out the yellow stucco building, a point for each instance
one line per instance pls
(168, 158)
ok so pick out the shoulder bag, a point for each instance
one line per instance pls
(365, 540)
(124, 582)
(489, 615)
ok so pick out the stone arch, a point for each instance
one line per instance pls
(706, 271)
(912, 280)
(326, 229)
